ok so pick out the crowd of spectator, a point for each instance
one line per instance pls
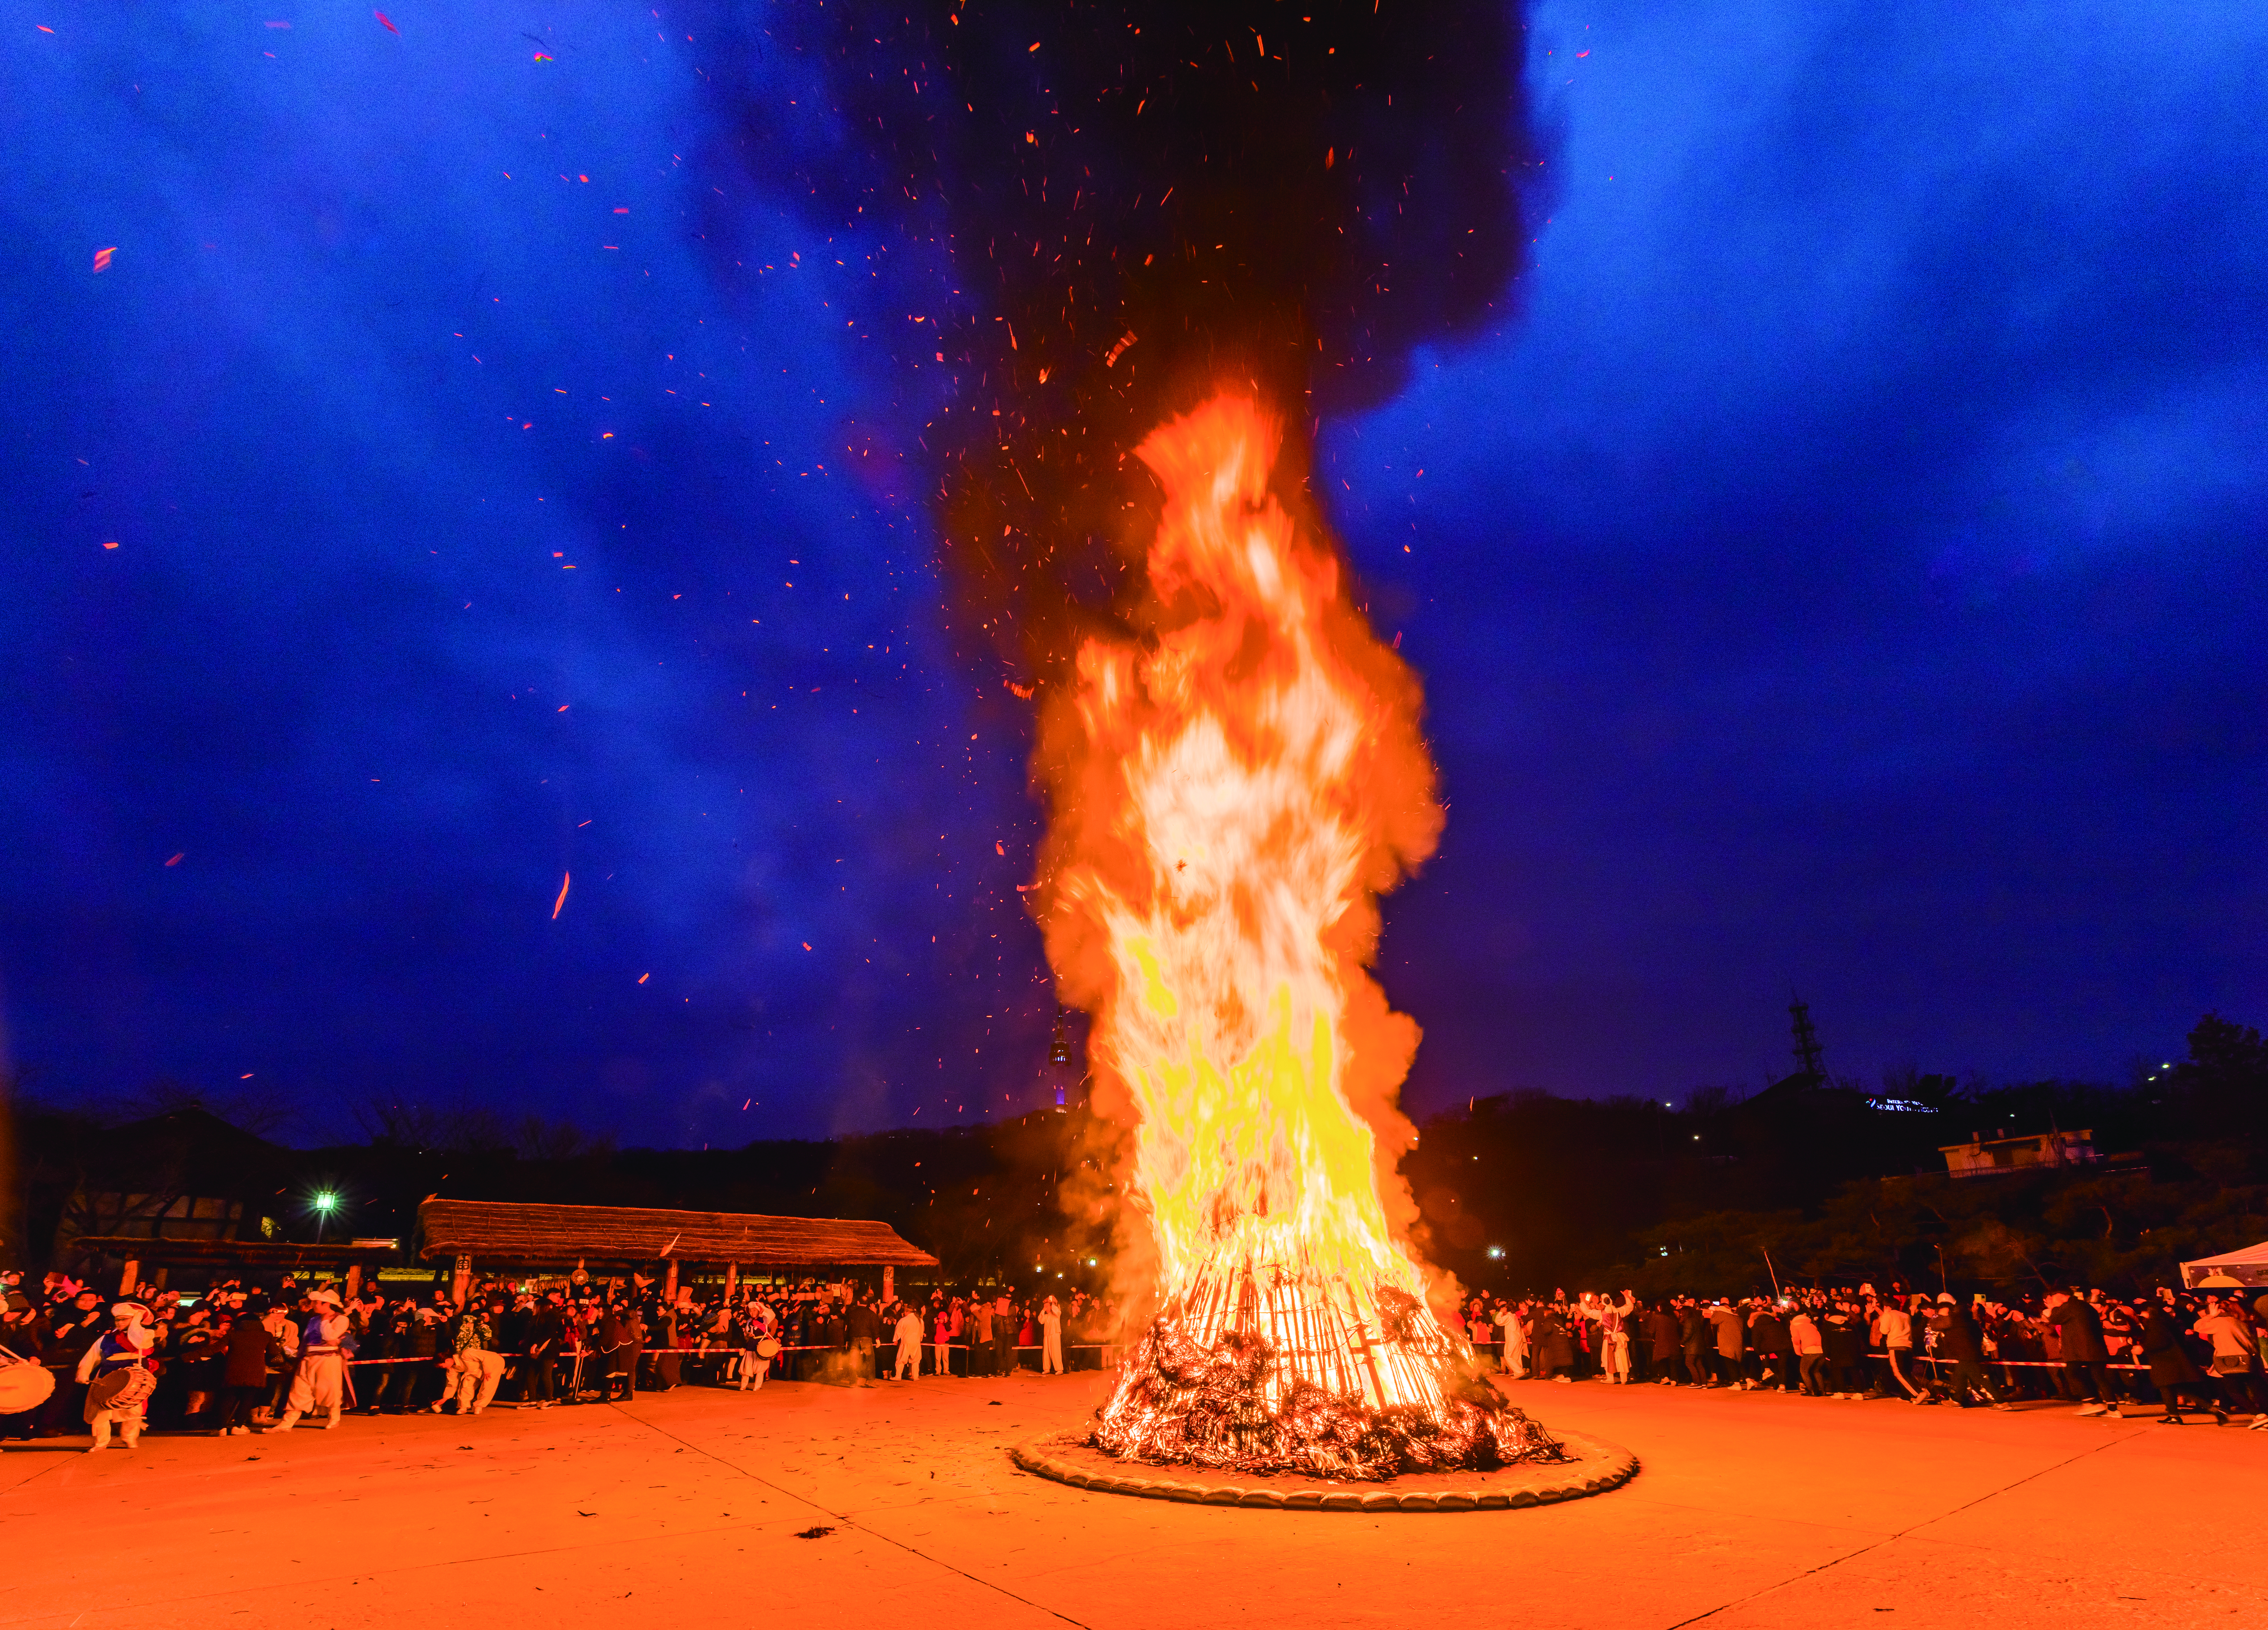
(240, 1357)
(2177, 1351)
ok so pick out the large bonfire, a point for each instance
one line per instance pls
(1229, 798)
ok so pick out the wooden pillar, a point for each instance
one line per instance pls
(127, 1276)
(669, 1284)
(888, 1283)
(732, 1279)
(354, 1281)
(462, 1284)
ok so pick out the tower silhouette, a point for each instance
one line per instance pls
(1061, 1074)
(1806, 1040)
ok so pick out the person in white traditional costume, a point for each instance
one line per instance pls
(1050, 1338)
(909, 1343)
(320, 1382)
(118, 1383)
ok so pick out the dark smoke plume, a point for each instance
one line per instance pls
(1123, 206)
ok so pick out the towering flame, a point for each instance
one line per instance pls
(1229, 799)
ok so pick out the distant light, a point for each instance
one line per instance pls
(1697, 1137)
(1496, 1253)
(1090, 1262)
(326, 1201)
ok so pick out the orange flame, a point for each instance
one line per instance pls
(1228, 801)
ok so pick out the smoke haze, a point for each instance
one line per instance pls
(1117, 207)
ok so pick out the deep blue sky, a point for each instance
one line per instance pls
(1847, 573)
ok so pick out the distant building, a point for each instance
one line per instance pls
(1984, 1157)
(186, 1174)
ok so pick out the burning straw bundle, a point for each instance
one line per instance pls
(1278, 1379)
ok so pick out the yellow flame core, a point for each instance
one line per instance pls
(1230, 879)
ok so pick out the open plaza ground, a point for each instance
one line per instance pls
(897, 1504)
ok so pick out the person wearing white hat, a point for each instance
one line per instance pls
(908, 1331)
(321, 1380)
(119, 1383)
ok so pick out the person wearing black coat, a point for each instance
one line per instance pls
(2086, 1354)
(546, 1326)
(73, 1326)
(418, 1336)
(381, 1339)
(1696, 1338)
(617, 1353)
(1960, 1341)
(1774, 1348)
(1555, 1349)
(1668, 1341)
(862, 1328)
(1843, 1335)
(244, 1370)
(2172, 1371)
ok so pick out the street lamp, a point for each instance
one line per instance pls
(327, 1201)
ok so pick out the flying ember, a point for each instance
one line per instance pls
(1229, 799)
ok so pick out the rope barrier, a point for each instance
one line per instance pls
(690, 1351)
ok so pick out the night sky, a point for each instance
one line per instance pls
(1840, 569)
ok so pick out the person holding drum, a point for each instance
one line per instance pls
(118, 1383)
(759, 1331)
(26, 1383)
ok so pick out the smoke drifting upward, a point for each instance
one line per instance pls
(1127, 205)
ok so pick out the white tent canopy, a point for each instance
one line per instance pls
(2247, 1266)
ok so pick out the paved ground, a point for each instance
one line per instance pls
(690, 1508)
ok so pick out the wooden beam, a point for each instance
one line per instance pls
(732, 1279)
(127, 1276)
(462, 1284)
(669, 1284)
(354, 1281)
(889, 1280)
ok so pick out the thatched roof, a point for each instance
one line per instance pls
(504, 1231)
